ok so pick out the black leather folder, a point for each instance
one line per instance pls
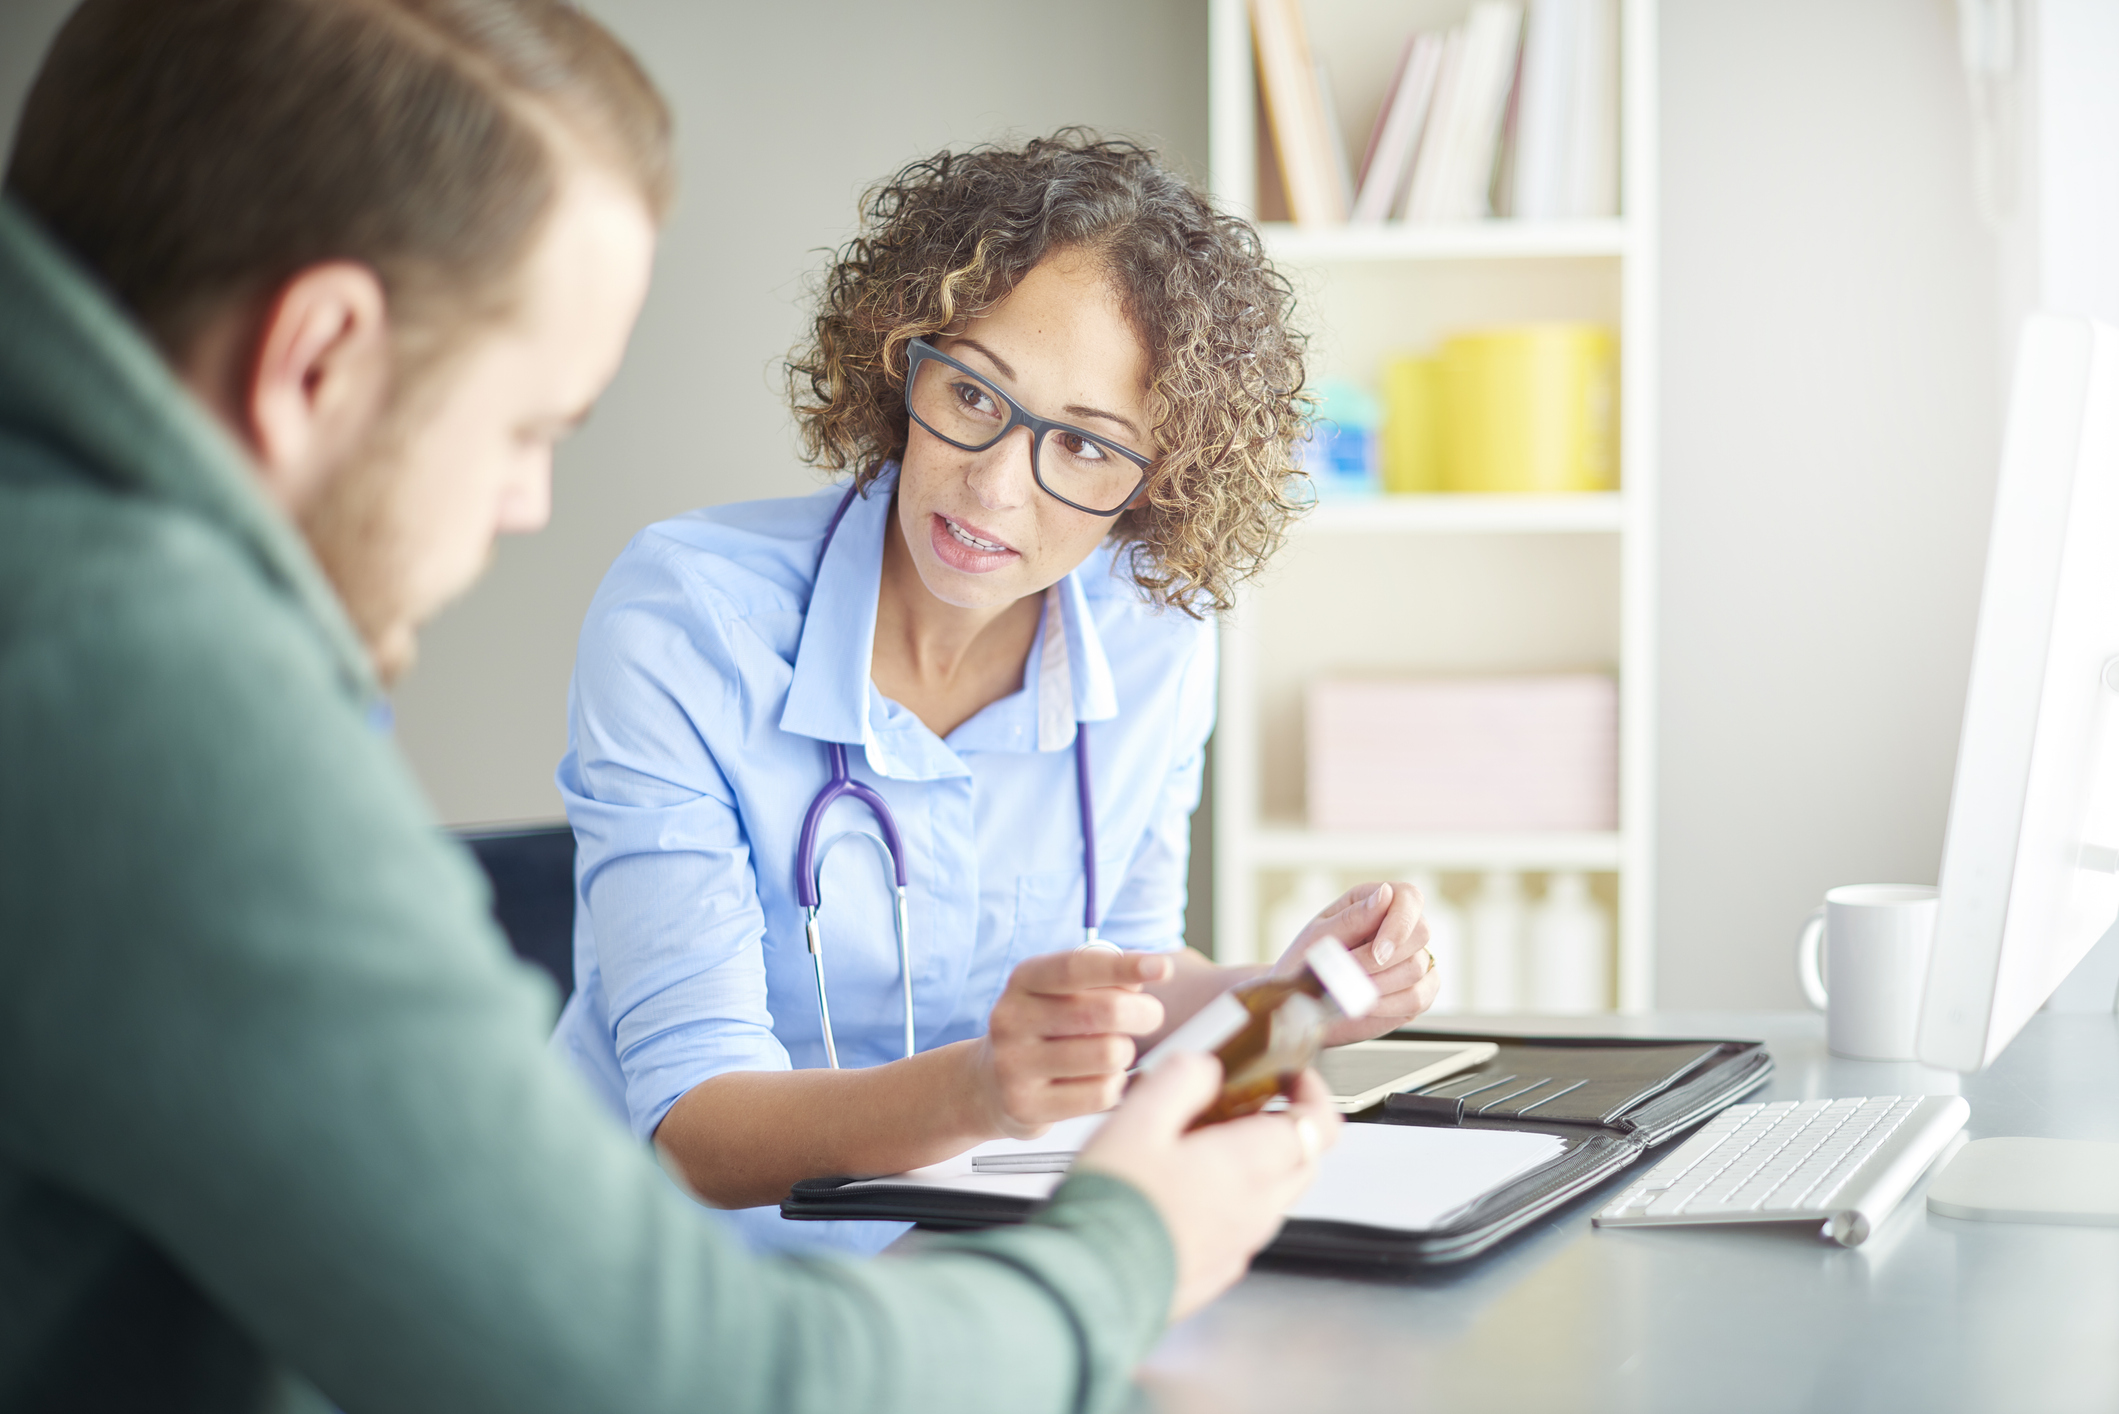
(1610, 1100)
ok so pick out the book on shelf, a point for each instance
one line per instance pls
(1501, 175)
(1566, 141)
(1312, 169)
(1538, 188)
(1593, 156)
(1395, 141)
(1390, 94)
(1454, 172)
(1512, 112)
(1342, 175)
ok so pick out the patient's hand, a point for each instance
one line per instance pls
(1061, 1038)
(1382, 927)
(1221, 1190)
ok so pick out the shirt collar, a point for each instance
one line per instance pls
(831, 697)
(1073, 675)
(828, 696)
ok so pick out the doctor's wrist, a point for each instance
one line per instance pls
(986, 1099)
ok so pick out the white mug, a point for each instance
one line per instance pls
(1874, 940)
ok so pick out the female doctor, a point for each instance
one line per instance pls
(1070, 394)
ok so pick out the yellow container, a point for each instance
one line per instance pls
(1412, 424)
(1531, 408)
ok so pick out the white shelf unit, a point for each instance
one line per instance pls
(1468, 240)
(1492, 515)
(1443, 583)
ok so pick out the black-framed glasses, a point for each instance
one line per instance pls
(965, 409)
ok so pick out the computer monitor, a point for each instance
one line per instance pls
(2028, 881)
(2030, 864)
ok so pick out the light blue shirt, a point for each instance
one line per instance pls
(718, 658)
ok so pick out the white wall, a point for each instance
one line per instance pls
(1830, 427)
(1830, 397)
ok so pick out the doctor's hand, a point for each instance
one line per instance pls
(1382, 927)
(1222, 1190)
(1060, 1039)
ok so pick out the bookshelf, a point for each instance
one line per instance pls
(1443, 583)
(1468, 240)
(1493, 515)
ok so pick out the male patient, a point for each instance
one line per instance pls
(295, 297)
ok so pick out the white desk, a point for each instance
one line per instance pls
(1930, 1315)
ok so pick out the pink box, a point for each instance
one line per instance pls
(1500, 753)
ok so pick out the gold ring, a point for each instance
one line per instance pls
(1430, 958)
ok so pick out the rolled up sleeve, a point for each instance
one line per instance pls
(668, 893)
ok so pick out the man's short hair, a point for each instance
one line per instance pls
(195, 152)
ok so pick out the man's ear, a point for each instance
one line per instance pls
(316, 380)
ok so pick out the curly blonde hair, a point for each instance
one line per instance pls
(950, 237)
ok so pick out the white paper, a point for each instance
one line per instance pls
(1067, 1136)
(1414, 1178)
(1411, 1178)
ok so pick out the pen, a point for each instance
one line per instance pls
(1054, 1161)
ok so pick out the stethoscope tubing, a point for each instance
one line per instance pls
(809, 859)
(813, 931)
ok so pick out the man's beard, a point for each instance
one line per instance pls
(356, 528)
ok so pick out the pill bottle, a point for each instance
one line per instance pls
(1267, 1031)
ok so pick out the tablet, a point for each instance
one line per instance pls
(1362, 1074)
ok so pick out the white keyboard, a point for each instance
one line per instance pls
(1842, 1163)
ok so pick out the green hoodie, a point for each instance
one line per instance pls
(276, 1115)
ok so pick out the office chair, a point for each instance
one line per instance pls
(532, 873)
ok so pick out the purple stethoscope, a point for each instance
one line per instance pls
(890, 849)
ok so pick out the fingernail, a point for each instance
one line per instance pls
(1376, 899)
(1382, 950)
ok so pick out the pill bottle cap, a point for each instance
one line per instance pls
(1350, 987)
